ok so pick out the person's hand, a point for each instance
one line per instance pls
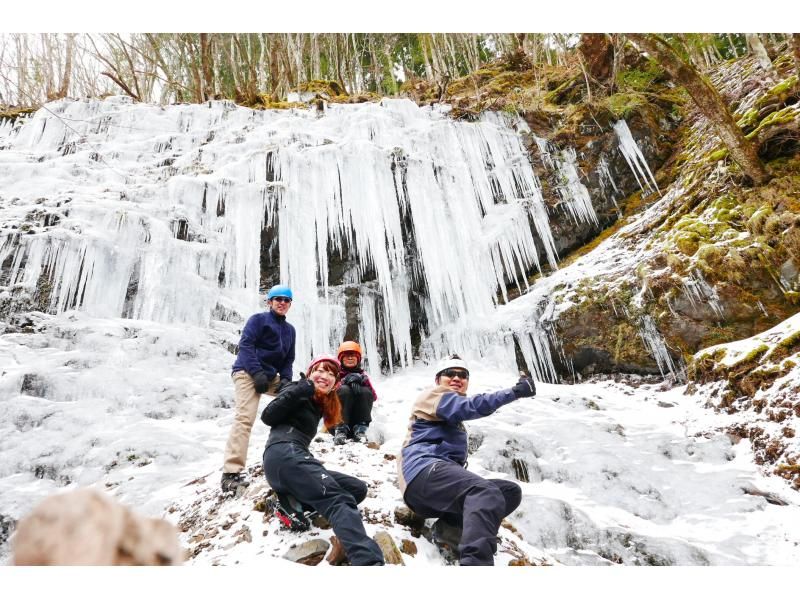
(261, 381)
(283, 384)
(304, 387)
(353, 378)
(524, 387)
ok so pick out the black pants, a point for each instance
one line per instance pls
(463, 498)
(291, 469)
(356, 403)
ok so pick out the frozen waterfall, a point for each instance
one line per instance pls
(183, 214)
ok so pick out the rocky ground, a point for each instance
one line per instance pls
(221, 528)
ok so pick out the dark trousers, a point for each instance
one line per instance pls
(291, 469)
(465, 499)
(356, 405)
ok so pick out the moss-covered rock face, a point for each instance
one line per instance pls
(12, 113)
(758, 377)
(720, 261)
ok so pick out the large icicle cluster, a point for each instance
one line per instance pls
(157, 213)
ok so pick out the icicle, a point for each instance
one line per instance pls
(573, 192)
(605, 178)
(655, 344)
(634, 157)
(361, 178)
(698, 290)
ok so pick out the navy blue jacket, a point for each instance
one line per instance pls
(435, 431)
(267, 344)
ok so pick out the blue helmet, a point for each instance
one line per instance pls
(279, 290)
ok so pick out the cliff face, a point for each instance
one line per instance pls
(702, 257)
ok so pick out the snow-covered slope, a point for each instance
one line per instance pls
(131, 391)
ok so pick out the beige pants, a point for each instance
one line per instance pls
(246, 409)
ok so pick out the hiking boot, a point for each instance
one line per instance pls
(231, 482)
(360, 433)
(291, 514)
(337, 556)
(340, 434)
(446, 535)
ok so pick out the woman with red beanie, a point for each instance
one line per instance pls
(291, 469)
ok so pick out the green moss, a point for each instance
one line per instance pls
(692, 224)
(718, 155)
(752, 355)
(755, 223)
(639, 79)
(785, 86)
(787, 346)
(330, 88)
(623, 105)
(13, 114)
(687, 242)
(748, 119)
(780, 117)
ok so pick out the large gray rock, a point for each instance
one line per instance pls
(308, 553)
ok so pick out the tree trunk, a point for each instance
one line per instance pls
(796, 52)
(732, 45)
(67, 76)
(710, 103)
(760, 52)
(598, 56)
(207, 66)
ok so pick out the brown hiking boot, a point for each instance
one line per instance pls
(337, 556)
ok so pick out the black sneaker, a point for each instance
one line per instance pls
(231, 482)
(291, 514)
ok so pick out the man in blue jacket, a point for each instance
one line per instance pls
(263, 365)
(432, 465)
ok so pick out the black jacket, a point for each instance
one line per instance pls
(360, 385)
(293, 415)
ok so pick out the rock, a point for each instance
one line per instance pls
(408, 547)
(87, 527)
(308, 553)
(770, 497)
(244, 535)
(373, 445)
(337, 555)
(389, 457)
(505, 523)
(7, 525)
(391, 555)
(520, 562)
(34, 385)
(405, 516)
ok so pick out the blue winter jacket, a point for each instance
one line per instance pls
(267, 344)
(435, 431)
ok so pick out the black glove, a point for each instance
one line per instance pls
(283, 384)
(261, 381)
(353, 378)
(524, 387)
(303, 387)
